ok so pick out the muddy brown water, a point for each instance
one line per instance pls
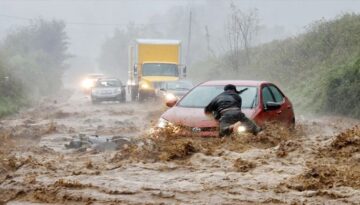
(120, 163)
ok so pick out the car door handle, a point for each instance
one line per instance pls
(288, 107)
(279, 112)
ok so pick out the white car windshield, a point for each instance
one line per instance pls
(108, 83)
(201, 96)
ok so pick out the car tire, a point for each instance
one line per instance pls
(94, 101)
(141, 97)
(123, 98)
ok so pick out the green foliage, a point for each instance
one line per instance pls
(343, 91)
(308, 66)
(32, 60)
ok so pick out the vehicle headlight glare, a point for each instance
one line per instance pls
(87, 83)
(170, 97)
(145, 86)
(162, 123)
(241, 129)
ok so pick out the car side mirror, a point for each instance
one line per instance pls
(184, 72)
(171, 103)
(162, 89)
(273, 105)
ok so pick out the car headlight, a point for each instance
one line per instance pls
(87, 83)
(162, 123)
(241, 129)
(170, 97)
(118, 90)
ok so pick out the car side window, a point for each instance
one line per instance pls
(277, 94)
(266, 95)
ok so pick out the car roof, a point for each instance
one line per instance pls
(95, 74)
(234, 82)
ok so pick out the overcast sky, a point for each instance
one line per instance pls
(86, 37)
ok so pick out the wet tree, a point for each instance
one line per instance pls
(240, 30)
(32, 62)
(36, 55)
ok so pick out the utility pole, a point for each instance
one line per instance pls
(189, 40)
(207, 36)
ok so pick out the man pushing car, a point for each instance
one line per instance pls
(226, 108)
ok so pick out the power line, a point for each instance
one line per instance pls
(85, 23)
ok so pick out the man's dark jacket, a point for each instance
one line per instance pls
(227, 99)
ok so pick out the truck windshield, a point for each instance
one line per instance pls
(160, 69)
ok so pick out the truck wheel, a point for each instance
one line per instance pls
(133, 94)
(141, 97)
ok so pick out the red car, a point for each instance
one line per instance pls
(261, 102)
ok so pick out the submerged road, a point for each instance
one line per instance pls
(68, 151)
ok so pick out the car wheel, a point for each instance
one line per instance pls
(94, 101)
(123, 98)
(141, 97)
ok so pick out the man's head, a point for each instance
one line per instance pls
(230, 87)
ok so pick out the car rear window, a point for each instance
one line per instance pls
(201, 96)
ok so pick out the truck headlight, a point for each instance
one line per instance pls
(145, 86)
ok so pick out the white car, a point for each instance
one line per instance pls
(108, 89)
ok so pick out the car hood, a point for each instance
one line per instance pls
(194, 117)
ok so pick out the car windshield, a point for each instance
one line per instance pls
(177, 85)
(107, 83)
(160, 69)
(201, 96)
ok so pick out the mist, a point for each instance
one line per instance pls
(98, 34)
(90, 23)
(179, 102)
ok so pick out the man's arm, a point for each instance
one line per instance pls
(238, 99)
(210, 107)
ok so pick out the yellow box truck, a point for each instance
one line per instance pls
(151, 62)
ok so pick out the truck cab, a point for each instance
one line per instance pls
(155, 61)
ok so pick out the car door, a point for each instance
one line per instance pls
(279, 98)
(266, 115)
(285, 112)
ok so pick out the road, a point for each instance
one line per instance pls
(68, 151)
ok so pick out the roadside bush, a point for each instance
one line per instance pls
(314, 68)
(343, 91)
(32, 62)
